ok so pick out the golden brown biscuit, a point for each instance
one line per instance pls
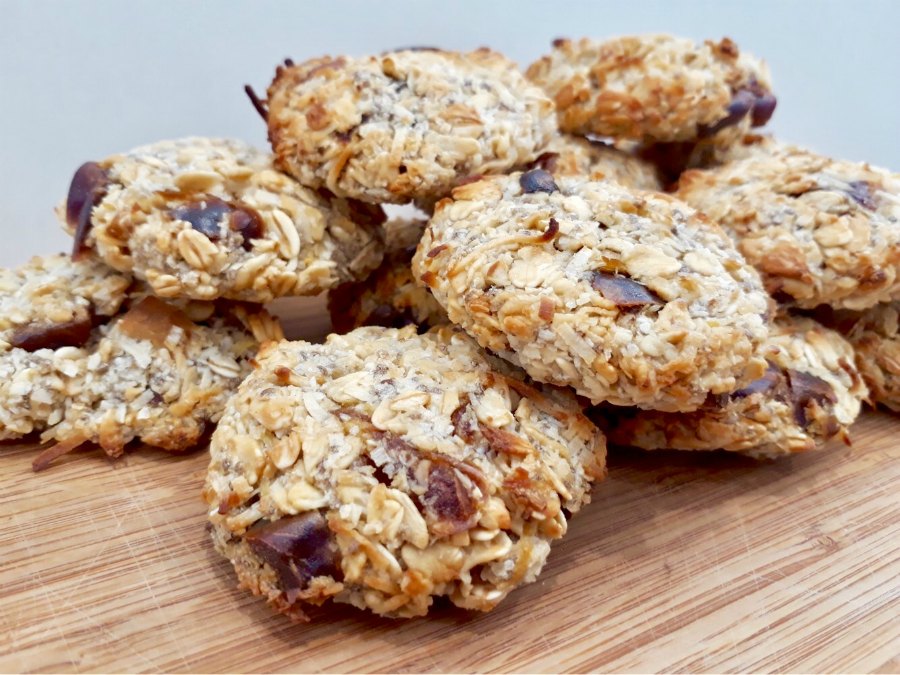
(404, 125)
(811, 392)
(88, 357)
(208, 218)
(629, 297)
(655, 88)
(384, 469)
(820, 231)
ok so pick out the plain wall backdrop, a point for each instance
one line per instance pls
(81, 80)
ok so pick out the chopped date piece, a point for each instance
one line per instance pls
(537, 180)
(462, 424)
(204, 215)
(73, 333)
(249, 224)
(551, 231)
(448, 505)
(806, 389)
(87, 188)
(768, 381)
(740, 105)
(299, 548)
(763, 109)
(624, 292)
(208, 213)
(763, 106)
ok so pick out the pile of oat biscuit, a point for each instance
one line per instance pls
(605, 251)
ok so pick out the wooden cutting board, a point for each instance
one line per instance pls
(683, 562)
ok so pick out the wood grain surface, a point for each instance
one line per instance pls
(684, 562)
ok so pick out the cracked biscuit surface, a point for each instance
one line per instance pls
(405, 125)
(390, 296)
(655, 88)
(629, 297)
(384, 469)
(812, 391)
(820, 231)
(89, 357)
(208, 218)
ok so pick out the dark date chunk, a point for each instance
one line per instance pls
(462, 423)
(861, 193)
(763, 109)
(74, 333)
(537, 180)
(740, 105)
(763, 106)
(89, 180)
(807, 389)
(247, 223)
(204, 215)
(551, 231)
(624, 292)
(87, 188)
(299, 548)
(208, 213)
(447, 504)
(772, 377)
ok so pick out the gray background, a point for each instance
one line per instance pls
(82, 80)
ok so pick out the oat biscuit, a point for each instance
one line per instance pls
(568, 155)
(820, 231)
(48, 309)
(405, 125)
(655, 88)
(811, 392)
(873, 334)
(88, 357)
(208, 218)
(629, 297)
(158, 376)
(385, 468)
(390, 296)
